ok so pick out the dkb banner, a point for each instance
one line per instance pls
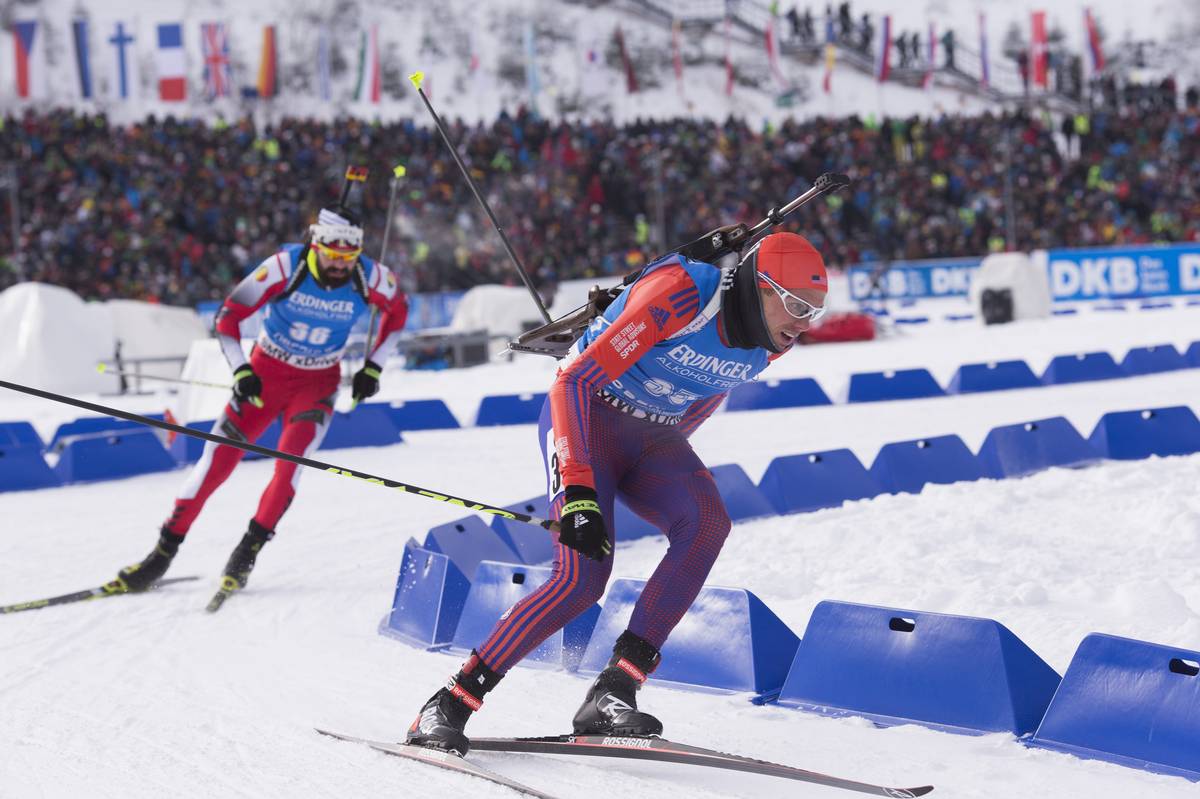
(912, 279)
(1123, 272)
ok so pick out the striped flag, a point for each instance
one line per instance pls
(883, 60)
(1038, 50)
(985, 69)
(830, 53)
(1094, 46)
(367, 88)
(728, 59)
(772, 43)
(123, 73)
(24, 36)
(266, 66)
(83, 62)
(171, 63)
(323, 82)
(218, 78)
(930, 58)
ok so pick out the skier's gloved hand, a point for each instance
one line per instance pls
(582, 525)
(366, 381)
(247, 386)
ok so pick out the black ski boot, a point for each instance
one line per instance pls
(141, 576)
(611, 704)
(241, 562)
(440, 723)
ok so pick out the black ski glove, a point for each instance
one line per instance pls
(366, 381)
(582, 525)
(247, 386)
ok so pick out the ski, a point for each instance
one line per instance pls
(114, 588)
(229, 587)
(660, 749)
(444, 760)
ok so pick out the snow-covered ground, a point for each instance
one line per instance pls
(147, 696)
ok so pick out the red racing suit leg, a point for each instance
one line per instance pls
(300, 396)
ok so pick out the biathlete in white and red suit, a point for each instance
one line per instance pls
(314, 293)
(643, 377)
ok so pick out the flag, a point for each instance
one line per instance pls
(218, 79)
(79, 30)
(631, 82)
(532, 82)
(883, 61)
(24, 34)
(676, 57)
(172, 66)
(1037, 55)
(728, 58)
(985, 70)
(830, 53)
(930, 57)
(123, 62)
(323, 87)
(266, 66)
(772, 42)
(369, 79)
(1094, 47)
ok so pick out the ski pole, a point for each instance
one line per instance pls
(469, 504)
(397, 172)
(416, 79)
(103, 369)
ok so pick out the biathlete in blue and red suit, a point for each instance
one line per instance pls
(314, 294)
(646, 374)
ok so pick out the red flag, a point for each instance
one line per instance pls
(773, 47)
(631, 84)
(1039, 49)
(266, 66)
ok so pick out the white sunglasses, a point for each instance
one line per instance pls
(797, 307)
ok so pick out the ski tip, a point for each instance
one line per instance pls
(924, 789)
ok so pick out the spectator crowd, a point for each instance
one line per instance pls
(175, 211)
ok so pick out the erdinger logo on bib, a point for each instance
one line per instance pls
(711, 364)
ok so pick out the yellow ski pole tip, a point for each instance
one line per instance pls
(100, 367)
(399, 171)
(417, 78)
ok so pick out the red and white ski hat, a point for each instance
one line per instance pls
(790, 260)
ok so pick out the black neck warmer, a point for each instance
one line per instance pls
(741, 308)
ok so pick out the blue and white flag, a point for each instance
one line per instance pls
(123, 60)
(83, 62)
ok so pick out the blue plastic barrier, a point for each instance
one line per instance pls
(1064, 311)
(1148, 360)
(996, 376)
(422, 415)
(531, 543)
(743, 499)
(1133, 435)
(1018, 449)
(1192, 356)
(902, 384)
(1155, 306)
(1128, 702)
(906, 466)
(429, 598)
(911, 320)
(764, 394)
(368, 425)
(815, 480)
(1080, 368)
(109, 455)
(185, 449)
(95, 424)
(728, 640)
(495, 588)
(953, 673)
(23, 468)
(20, 434)
(510, 409)
(467, 541)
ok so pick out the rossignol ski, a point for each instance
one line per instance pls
(660, 749)
(449, 761)
(114, 588)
